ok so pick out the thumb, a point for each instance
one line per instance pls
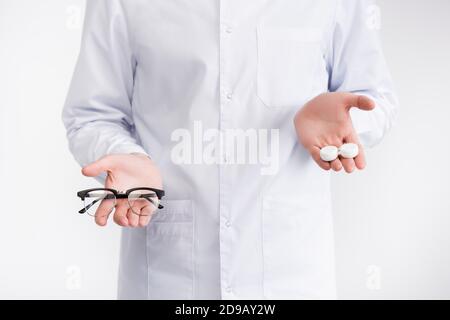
(358, 101)
(96, 168)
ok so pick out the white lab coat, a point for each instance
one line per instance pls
(148, 68)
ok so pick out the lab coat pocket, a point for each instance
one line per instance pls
(287, 60)
(293, 246)
(170, 239)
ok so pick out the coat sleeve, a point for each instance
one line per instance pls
(357, 64)
(97, 113)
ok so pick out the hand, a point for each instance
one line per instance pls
(125, 171)
(325, 120)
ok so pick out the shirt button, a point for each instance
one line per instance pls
(230, 96)
(228, 223)
(229, 30)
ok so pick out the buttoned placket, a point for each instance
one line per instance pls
(226, 100)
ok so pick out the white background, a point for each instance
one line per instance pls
(392, 220)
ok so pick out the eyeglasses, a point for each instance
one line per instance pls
(104, 200)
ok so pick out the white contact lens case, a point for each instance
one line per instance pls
(349, 150)
(329, 153)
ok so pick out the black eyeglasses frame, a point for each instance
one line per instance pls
(118, 194)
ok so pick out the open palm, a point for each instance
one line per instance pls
(125, 171)
(326, 121)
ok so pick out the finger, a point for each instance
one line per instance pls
(120, 215)
(103, 211)
(348, 164)
(146, 215)
(336, 165)
(315, 153)
(98, 167)
(360, 159)
(358, 101)
(133, 216)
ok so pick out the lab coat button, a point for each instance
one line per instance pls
(228, 223)
(229, 96)
(229, 30)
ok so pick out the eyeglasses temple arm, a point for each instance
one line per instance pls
(88, 206)
(91, 204)
(149, 198)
